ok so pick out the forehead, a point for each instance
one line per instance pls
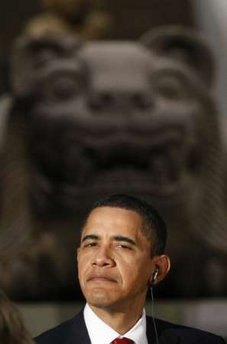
(113, 220)
(107, 60)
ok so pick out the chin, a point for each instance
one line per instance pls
(100, 298)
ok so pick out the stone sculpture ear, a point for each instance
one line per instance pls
(32, 54)
(185, 45)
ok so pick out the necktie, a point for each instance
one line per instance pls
(122, 341)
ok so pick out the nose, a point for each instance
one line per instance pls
(104, 100)
(103, 257)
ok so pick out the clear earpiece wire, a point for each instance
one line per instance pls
(152, 316)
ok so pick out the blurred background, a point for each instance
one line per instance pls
(130, 19)
(201, 305)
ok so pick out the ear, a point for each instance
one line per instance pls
(161, 268)
(183, 45)
(32, 54)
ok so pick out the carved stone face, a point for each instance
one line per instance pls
(110, 117)
(115, 118)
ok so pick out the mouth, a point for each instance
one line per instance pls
(101, 279)
(162, 168)
(163, 164)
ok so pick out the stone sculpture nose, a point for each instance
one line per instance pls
(103, 100)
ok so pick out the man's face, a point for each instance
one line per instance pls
(114, 259)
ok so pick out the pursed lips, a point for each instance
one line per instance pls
(100, 278)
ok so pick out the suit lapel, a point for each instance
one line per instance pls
(164, 336)
(77, 331)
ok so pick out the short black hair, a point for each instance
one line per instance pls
(154, 226)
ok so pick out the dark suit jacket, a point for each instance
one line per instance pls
(74, 331)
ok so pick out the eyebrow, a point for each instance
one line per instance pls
(116, 238)
(124, 238)
(90, 237)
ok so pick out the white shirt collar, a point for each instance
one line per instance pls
(100, 333)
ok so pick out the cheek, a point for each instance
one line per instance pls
(129, 272)
(139, 271)
(81, 266)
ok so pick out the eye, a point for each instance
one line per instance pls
(62, 87)
(89, 244)
(124, 246)
(172, 88)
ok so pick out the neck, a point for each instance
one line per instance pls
(119, 320)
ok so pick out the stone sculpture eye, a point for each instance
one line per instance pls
(172, 88)
(62, 87)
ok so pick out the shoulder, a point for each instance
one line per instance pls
(174, 333)
(70, 331)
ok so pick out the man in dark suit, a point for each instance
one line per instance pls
(120, 256)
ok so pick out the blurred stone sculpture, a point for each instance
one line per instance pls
(92, 119)
(84, 18)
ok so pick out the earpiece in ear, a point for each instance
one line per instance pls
(154, 275)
